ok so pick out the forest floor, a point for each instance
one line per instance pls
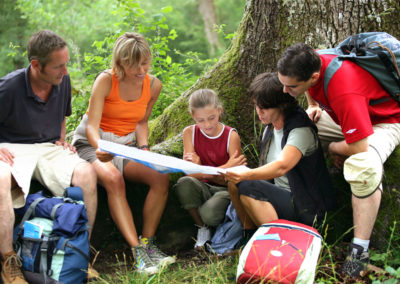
(112, 261)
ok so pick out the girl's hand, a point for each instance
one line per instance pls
(192, 157)
(104, 156)
(236, 160)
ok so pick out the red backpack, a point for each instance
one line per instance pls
(281, 251)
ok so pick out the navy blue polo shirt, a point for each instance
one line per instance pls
(24, 117)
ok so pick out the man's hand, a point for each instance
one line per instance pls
(340, 151)
(6, 156)
(338, 160)
(104, 156)
(314, 112)
(65, 145)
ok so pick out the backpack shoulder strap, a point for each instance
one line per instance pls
(330, 70)
(332, 67)
(30, 212)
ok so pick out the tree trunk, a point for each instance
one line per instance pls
(268, 27)
(207, 12)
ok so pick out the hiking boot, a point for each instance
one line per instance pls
(156, 255)
(356, 261)
(203, 235)
(11, 269)
(143, 262)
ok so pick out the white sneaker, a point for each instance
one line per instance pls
(203, 235)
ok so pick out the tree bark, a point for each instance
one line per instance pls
(207, 12)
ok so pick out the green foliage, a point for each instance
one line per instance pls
(91, 27)
(77, 21)
(12, 38)
(188, 23)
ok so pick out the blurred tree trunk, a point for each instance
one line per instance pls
(267, 28)
(207, 12)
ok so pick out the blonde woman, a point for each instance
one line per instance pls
(120, 105)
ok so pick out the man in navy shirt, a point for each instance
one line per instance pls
(34, 103)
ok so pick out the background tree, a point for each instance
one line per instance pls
(207, 11)
(267, 28)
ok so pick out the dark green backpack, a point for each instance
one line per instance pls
(376, 52)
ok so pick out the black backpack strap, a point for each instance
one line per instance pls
(51, 249)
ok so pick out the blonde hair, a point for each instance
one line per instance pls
(129, 49)
(202, 98)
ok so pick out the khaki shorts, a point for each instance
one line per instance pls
(48, 163)
(88, 153)
(384, 140)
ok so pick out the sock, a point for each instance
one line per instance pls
(363, 243)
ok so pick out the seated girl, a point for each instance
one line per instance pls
(210, 143)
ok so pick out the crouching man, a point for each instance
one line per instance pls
(360, 124)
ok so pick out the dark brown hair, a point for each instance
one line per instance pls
(267, 92)
(42, 44)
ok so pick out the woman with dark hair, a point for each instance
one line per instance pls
(292, 181)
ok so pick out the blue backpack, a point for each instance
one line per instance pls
(227, 234)
(376, 52)
(52, 238)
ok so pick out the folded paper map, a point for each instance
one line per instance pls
(159, 162)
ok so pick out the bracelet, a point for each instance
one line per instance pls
(144, 147)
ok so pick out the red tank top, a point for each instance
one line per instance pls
(213, 151)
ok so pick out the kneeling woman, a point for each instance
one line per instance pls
(292, 181)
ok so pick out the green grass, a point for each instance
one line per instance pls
(207, 268)
(204, 269)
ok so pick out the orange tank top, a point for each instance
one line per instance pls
(121, 117)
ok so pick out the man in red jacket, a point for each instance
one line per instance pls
(359, 136)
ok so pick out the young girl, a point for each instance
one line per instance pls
(210, 143)
(119, 108)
